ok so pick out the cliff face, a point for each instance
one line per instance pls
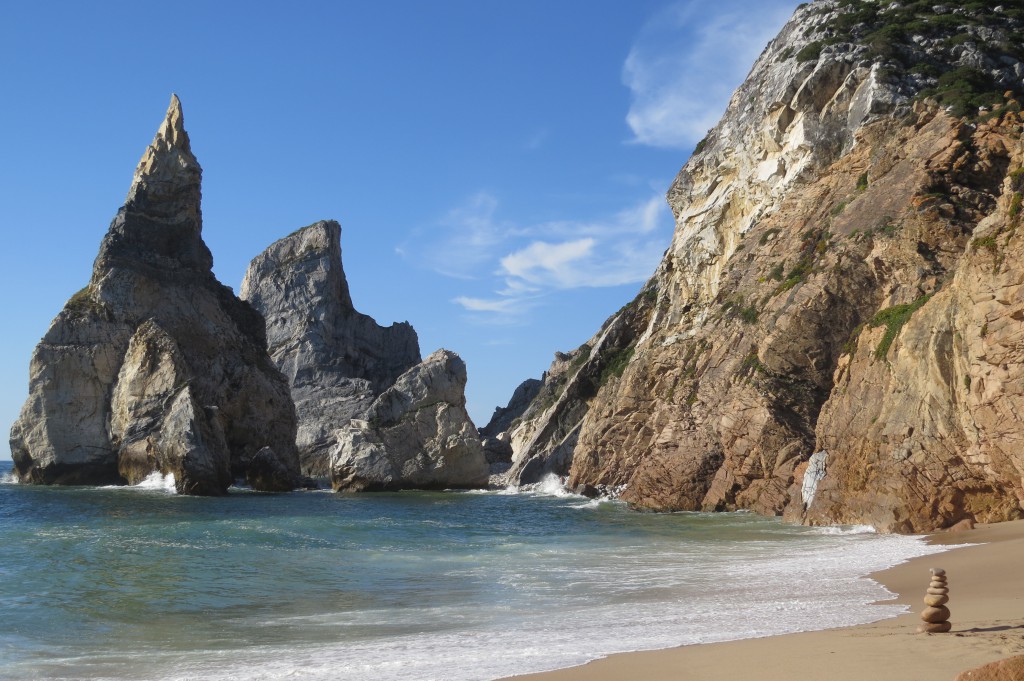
(336, 359)
(842, 282)
(156, 366)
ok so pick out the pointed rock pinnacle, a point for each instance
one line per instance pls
(166, 185)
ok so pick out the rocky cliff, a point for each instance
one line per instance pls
(156, 366)
(843, 282)
(336, 359)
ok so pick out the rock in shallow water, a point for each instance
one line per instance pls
(337, 360)
(416, 434)
(155, 365)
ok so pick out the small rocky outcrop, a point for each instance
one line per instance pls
(337, 360)
(156, 366)
(504, 418)
(416, 434)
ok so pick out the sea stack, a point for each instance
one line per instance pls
(371, 415)
(336, 359)
(936, 616)
(155, 365)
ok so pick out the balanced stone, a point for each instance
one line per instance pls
(935, 615)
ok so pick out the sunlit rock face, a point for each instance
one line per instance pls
(416, 435)
(156, 366)
(337, 360)
(371, 415)
(843, 278)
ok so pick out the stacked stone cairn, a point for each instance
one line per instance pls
(936, 615)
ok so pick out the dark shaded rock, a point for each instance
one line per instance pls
(267, 472)
(503, 417)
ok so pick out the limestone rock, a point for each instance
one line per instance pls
(416, 434)
(1010, 669)
(935, 601)
(934, 627)
(337, 360)
(154, 366)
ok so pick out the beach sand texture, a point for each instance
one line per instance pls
(986, 583)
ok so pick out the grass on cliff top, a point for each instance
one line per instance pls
(888, 30)
(893, 318)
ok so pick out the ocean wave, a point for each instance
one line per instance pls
(841, 530)
(154, 482)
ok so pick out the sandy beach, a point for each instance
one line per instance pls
(986, 601)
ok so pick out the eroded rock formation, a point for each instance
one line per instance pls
(156, 366)
(371, 415)
(844, 279)
(336, 359)
(416, 434)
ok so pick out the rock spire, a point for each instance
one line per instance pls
(371, 415)
(336, 359)
(155, 366)
(167, 180)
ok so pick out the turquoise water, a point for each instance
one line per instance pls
(129, 583)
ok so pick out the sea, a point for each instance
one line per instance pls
(140, 583)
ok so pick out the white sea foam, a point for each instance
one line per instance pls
(844, 529)
(551, 486)
(782, 589)
(492, 605)
(158, 482)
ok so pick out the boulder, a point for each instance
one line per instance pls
(416, 434)
(154, 365)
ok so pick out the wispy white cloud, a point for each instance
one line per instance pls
(687, 61)
(523, 264)
(546, 263)
(552, 256)
(462, 241)
(500, 305)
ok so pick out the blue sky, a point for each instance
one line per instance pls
(498, 168)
